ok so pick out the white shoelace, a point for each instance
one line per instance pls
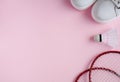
(117, 6)
(117, 3)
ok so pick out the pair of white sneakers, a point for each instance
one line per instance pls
(103, 11)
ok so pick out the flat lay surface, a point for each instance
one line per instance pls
(47, 40)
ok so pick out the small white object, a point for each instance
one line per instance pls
(82, 4)
(110, 38)
(104, 11)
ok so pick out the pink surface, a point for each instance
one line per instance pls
(46, 40)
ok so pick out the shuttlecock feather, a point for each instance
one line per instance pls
(110, 38)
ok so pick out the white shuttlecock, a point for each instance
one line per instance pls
(110, 38)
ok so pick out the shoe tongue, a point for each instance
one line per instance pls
(116, 2)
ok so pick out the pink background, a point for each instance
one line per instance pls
(46, 40)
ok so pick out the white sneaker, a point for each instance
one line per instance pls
(82, 4)
(106, 10)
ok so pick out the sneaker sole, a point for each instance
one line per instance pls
(82, 7)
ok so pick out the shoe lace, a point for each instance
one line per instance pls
(117, 3)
